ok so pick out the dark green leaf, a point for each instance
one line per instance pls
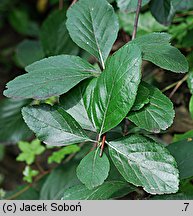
(73, 103)
(182, 5)
(28, 52)
(182, 152)
(115, 90)
(130, 5)
(55, 37)
(12, 126)
(93, 169)
(58, 181)
(143, 162)
(142, 98)
(156, 48)
(163, 11)
(108, 190)
(53, 125)
(50, 77)
(157, 115)
(93, 25)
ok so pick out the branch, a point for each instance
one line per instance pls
(136, 19)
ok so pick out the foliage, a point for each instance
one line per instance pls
(85, 95)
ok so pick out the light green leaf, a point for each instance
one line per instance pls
(12, 126)
(186, 136)
(55, 37)
(157, 115)
(53, 125)
(29, 51)
(190, 81)
(182, 152)
(93, 25)
(146, 24)
(163, 11)
(29, 151)
(142, 97)
(29, 173)
(130, 5)
(143, 162)
(191, 106)
(156, 48)
(115, 90)
(50, 77)
(59, 155)
(108, 190)
(93, 169)
(73, 103)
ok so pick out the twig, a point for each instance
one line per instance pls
(179, 83)
(136, 19)
(61, 4)
(103, 144)
(73, 2)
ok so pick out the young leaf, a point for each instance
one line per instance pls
(185, 136)
(191, 106)
(12, 126)
(50, 77)
(143, 162)
(73, 103)
(142, 97)
(163, 11)
(93, 25)
(29, 151)
(93, 170)
(157, 115)
(55, 37)
(108, 190)
(116, 89)
(29, 173)
(129, 5)
(156, 48)
(183, 151)
(59, 155)
(53, 125)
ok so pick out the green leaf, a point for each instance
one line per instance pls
(58, 181)
(130, 5)
(93, 25)
(156, 48)
(54, 35)
(143, 162)
(157, 115)
(29, 51)
(163, 11)
(93, 169)
(186, 136)
(116, 89)
(182, 152)
(182, 5)
(191, 106)
(50, 77)
(190, 81)
(53, 125)
(29, 174)
(142, 97)
(12, 126)
(108, 190)
(146, 24)
(73, 103)
(29, 151)
(59, 155)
